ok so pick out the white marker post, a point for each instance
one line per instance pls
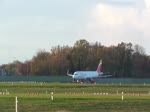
(120, 83)
(16, 104)
(52, 98)
(122, 96)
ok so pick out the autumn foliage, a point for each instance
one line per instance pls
(123, 60)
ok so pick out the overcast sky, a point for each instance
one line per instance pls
(29, 25)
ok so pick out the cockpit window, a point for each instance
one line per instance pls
(75, 73)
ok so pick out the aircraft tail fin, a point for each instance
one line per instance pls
(99, 68)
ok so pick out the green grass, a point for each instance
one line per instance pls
(36, 97)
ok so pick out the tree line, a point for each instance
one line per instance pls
(122, 60)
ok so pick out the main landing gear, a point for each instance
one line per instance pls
(78, 81)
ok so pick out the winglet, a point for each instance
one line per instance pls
(68, 73)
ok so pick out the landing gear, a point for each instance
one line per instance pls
(74, 81)
(77, 81)
(91, 80)
(82, 81)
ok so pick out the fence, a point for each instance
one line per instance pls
(66, 79)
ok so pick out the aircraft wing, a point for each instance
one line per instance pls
(105, 75)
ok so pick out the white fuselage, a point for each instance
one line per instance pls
(81, 75)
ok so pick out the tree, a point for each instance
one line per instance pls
(139, 49)
(123, 60)
(39, 63)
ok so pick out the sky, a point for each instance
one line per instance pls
(27, 26)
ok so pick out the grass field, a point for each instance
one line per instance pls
(36, 97)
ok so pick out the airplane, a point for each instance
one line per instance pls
(90, 75)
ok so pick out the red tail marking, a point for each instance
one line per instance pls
(99, 69)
